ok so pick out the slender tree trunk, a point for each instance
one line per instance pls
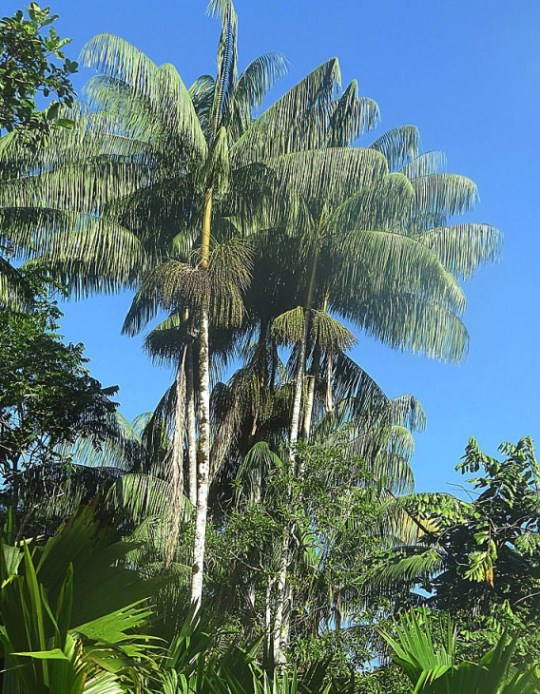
(281, 617)
(281, 622)
(299, 377)
(206, 228)
(203, 467)
(268, 617)
(310, 399)
(297, 399)
(337, 609)
(177, 459)
(329, 400)
(203, 453)
(281, 629)
(191, 428)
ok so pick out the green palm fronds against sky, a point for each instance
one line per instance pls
(461, 126)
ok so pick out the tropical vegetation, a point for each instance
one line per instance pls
(258, 531)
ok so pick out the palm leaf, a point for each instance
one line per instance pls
(399, 146)
(406, 321)
(464, 247)
(297, 121)
(352, 116)
(425, 165)
(331, 174)
(227, 58)
(115, 57)
(447, 194)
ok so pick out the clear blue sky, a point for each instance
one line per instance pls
(467, 73)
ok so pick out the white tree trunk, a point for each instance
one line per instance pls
(329, 386)
(177, 461)
(268, 617)
(203, 468)
(308, 410)
(281, 620)
(310, 398)
(191, 428)
(281, 617)
(297, 399)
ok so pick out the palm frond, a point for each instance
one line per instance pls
(117, 58)
(384, 204)
(407, 411)
(352, 116)
(256, 467)
(202, 95)
(144, 308)
(373, 261)
(399, 146)
(358, 395)
(253, 84)
(447, 194)
(227, 59)
(177, 286)
(407, 321)
(165, 342)
(288, 328)
(15, 293)
(389, 465)
(70, 237)
(425, 165)
(331, 335)
(85, 187)
(462, 248)
(297, 121)
(331, 175)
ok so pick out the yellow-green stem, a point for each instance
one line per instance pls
(206, 228)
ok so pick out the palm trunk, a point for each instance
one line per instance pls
(281, 622)
(329, 400)
(312, 382)
(281, 629)
(337, 609)
(206, 228)
(281, 616)
(268, 618)
(177, 459)
(297, 400)
(191, 428)
(299, 376)
(203, 468)
(203, 462)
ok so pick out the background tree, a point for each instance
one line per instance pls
(47, 397)
(33, 67)
(29, 72)
(479, 560)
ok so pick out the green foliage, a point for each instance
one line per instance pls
(69, 612)
(47, 397)
(298, 228)
(433, 668)
(32, 66)
(489, 548)
(478, 560)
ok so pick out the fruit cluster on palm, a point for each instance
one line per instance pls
(265, 240)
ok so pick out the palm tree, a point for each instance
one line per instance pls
(182, 164)
(216, 175)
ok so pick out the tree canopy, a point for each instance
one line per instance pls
(258, 531)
